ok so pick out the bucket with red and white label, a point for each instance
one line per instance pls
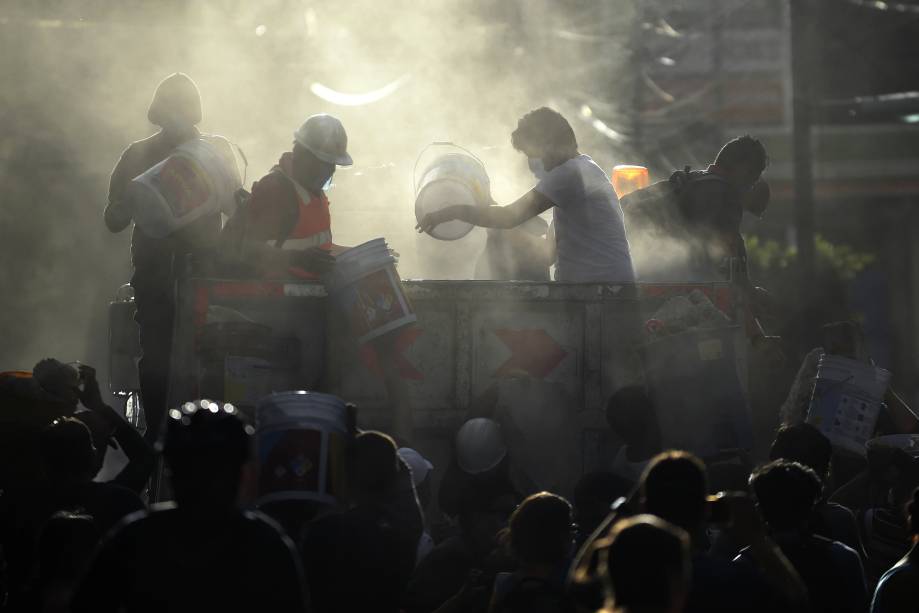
(199, 178)
(301, 438)
(366, 287)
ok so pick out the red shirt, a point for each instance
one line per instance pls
(276, 199)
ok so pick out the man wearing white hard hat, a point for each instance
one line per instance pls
(286, 228)
(480, 465)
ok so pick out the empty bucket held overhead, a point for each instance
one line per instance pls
(453, 176)
(301, 439)
(366, 287)
(199, 178)
(847, 401)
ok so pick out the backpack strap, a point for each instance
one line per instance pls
(292, 214)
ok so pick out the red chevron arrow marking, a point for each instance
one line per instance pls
(371, 359)
(532, 351)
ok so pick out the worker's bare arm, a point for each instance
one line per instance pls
(529, 205)
(118, 212)
(118, 216)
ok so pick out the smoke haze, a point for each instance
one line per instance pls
(78, 78)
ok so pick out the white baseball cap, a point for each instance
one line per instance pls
(417, 463)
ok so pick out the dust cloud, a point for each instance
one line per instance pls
(78, 77)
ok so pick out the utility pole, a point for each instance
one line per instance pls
(802, 15)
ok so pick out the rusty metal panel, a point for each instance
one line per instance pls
(470, 335)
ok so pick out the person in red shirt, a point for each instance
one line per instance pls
(285, 227)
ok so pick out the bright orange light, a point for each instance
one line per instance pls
(626, 179)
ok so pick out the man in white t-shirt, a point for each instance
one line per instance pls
(589, 233)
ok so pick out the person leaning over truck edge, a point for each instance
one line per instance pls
(176, 108)
(285, 227)
(589, 232)
(713, 206)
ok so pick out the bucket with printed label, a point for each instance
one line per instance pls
(199, 178)
(847, 401)
(366, 287)
(453, 177)
(301, 439)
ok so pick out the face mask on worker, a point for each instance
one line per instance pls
(537, 168)
(320, 184)
(311, 172)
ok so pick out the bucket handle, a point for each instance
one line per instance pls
(439, 143)
(245, 161)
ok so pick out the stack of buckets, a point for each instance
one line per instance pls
(301, 439)
(847, 401)
(366, 287)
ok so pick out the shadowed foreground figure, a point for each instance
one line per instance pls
(362, 559)
(648, 566)
(176, 109)
(53, 468)
(898, 590)
(203, 553)
(786, 493)
(541, 536)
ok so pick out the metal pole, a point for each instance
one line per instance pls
(802, 78)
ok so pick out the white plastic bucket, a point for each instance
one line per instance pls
(847, 400)
(455, 176)
(199, 178)
(301, 439)
(904, 442)
(366, 287)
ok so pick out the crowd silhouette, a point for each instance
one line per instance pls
(654, 533)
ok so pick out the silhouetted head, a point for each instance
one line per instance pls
(65, 546)
(742, 160)
(545, 134)
(786, 493)
(205, 445)
(541, 530)
(805, 444)
(631, 416)
(648, 565)
(67, 452)
(674, 488)
(59, 381)
(176, 104)
(373, 465)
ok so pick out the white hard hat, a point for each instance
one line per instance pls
(325, 137)
(479, 445)
(418, 464)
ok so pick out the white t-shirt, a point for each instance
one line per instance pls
(589, 232)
